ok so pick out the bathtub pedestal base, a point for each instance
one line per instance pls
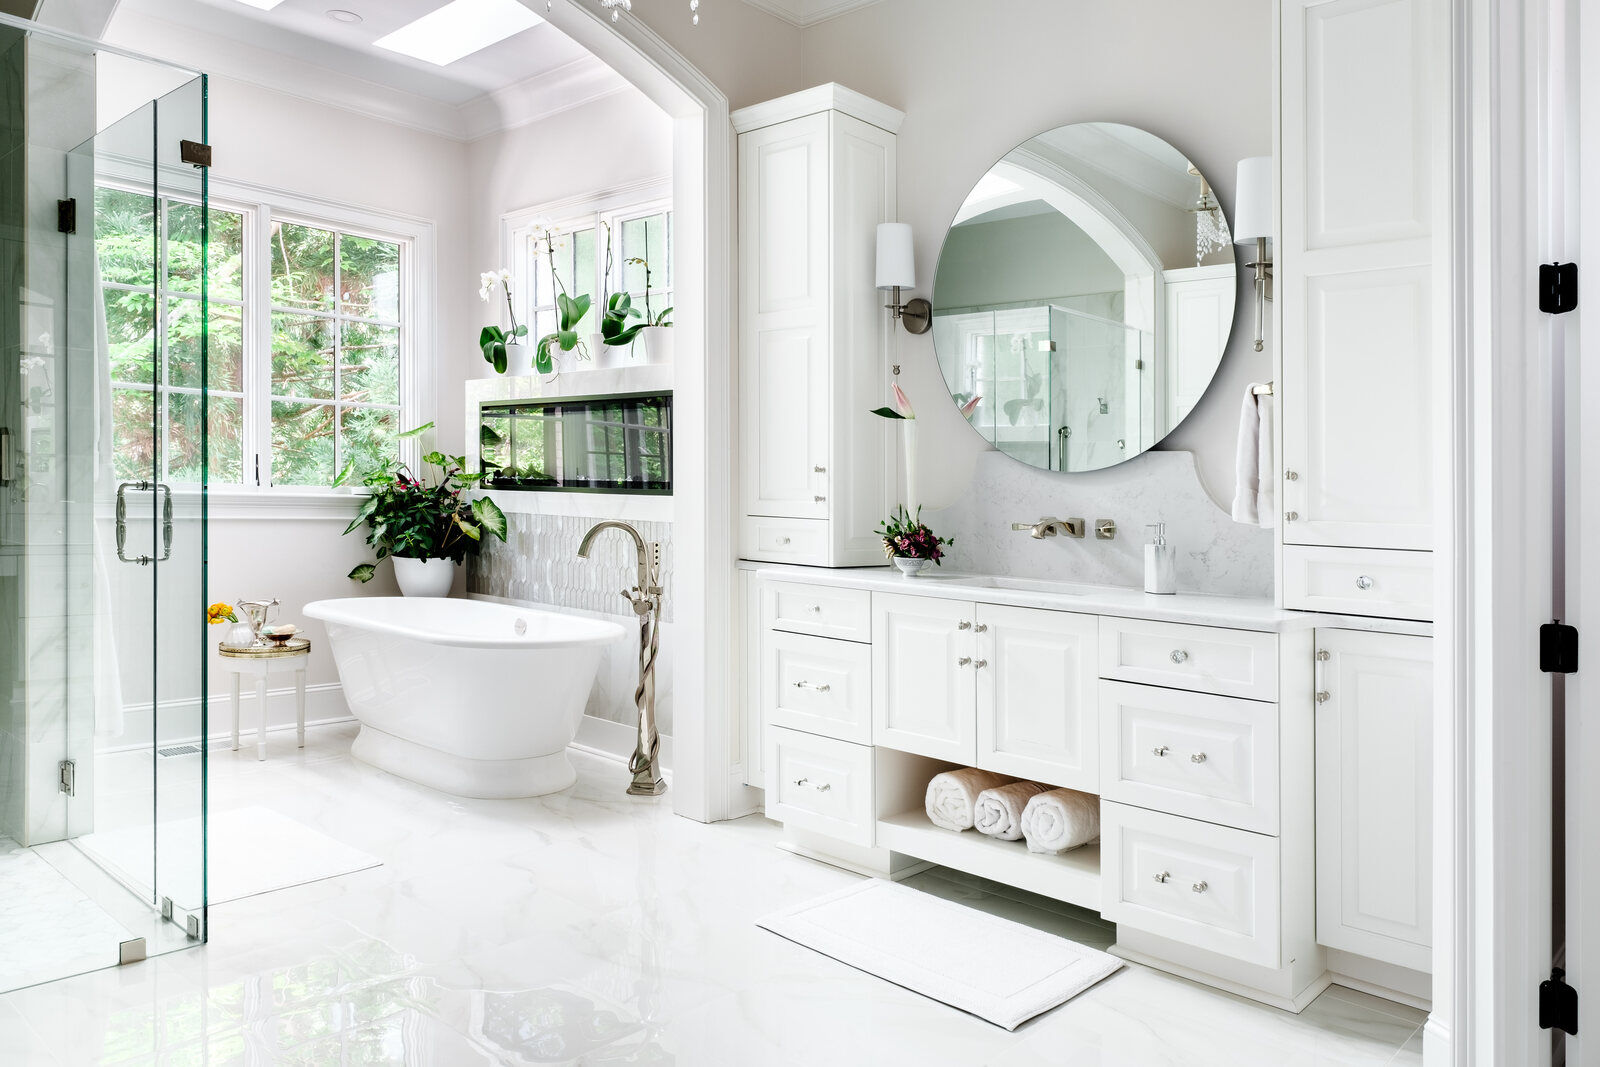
(487, 779)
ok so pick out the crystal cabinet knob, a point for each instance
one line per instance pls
(981, 628)
(1198, 757)
(1179, 656)
(963, 661)
(815, 609)
(1163, 876)
(1200, 886)
(823, 688)
(819, 499)
(820, 470)
(963, 625)
(1291, 476)
(1290, 516)
(1323, 697)
(823, 788)
(1364, 582)
(981, 664)
(1160, 750)
(783, 540)
(1323, 655)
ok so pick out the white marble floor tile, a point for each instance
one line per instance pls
(594, 928)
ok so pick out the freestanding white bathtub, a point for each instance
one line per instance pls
(465, 696)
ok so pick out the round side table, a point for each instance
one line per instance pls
(258, 661)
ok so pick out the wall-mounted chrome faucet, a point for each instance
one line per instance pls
(645, 597)
(1051, 527)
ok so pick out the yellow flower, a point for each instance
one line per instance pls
(220, 612)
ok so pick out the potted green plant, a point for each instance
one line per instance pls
(428, 529)
(570, 311)
(617, 328)
(909, 544)
(503, 349)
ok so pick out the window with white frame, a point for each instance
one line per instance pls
(309, 339)
(639, 232)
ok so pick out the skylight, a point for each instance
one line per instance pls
(458, 29)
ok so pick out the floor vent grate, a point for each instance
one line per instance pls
(179, 750)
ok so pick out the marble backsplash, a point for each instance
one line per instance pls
(1213, 553)
(538, 565)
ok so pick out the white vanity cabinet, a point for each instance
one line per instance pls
(816, 176)
(924, 681)
(1374, 795)
(1362, 291)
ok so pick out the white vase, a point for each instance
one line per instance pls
(655, 344)
(908, 440)
(424, 577)
(911, 567)
(519, 360)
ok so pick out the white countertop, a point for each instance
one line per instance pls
(1198, 609)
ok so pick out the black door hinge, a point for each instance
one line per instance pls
(195, 152)
(67, 215)
(1558, 1003)
(1558, 648)
(1558, 288)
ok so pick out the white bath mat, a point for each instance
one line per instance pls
(994, 968)
(252, 850)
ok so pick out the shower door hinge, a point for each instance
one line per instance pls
(67, 778)
(1558, 648)
(195, 152)
(67, 216)
(1558, 1003)
(1558, 288)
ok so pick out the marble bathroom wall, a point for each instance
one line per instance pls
(538, 565)
(1213, 553)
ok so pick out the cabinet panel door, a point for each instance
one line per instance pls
(1037, 680)
(784, 310)
(1198, 319)
(1374, 795)
(923, 688)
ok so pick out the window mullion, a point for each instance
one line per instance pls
(338, 351)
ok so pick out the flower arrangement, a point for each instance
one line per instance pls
(492, 339)
(570, 311)
(220, 612)
(411, 519)
(906, 537)
(615, 327)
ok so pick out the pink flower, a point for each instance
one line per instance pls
(902, 403)
(970, 406)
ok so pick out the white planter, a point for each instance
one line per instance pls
(519, 360)
(424, 577)
(911, 567)
(654, 345)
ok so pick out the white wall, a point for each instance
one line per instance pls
(977, 80)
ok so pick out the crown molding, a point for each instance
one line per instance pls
(571, 85)
(829, 97)
(803, 13)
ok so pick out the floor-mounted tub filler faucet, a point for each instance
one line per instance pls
(645, 597)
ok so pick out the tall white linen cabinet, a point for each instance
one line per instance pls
(1363, 299)
(816, 176)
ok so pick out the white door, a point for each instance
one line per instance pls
(923, 688)
(783, 226)
(1356, 277)
(1037, 677)
(1196, 323)
(1375, 795)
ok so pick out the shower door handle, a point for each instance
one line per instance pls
(165, 492)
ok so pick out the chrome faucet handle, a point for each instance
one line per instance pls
(1021, 526)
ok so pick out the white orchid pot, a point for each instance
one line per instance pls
(655, 344)
(425, 577)
(519, 360)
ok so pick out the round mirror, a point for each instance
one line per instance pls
(1084, 296)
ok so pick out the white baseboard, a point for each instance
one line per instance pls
(615, 740)
(180, 719)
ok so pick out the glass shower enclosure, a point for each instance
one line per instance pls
(104, 368)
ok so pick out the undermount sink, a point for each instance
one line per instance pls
(1021, 585)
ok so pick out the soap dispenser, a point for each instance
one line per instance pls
(1160, 576)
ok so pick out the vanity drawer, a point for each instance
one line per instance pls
(778, 540)
(817, 685)
(820, 784)
(1208, 659)
(1212, 887)
(818, 610)
(1359, 581)
(1192, 754)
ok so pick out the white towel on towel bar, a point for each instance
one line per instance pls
(953, 796)
(999, 810)
(1254, 499)
(1061, 820)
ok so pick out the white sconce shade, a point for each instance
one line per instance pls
(1252, 201)
(896, 269)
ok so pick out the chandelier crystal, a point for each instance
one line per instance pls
(1210, 228)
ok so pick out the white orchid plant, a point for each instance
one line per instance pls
(492, 339)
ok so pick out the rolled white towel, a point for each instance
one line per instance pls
(999, 810)
(1061, 820)
(953, 795)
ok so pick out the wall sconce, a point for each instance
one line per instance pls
(1252, 221)
(896, 271)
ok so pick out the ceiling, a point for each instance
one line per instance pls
(302, 30)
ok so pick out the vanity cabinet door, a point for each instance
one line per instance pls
(923, 677)
(1374, 795)
(1037, 676)
(784, 219)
